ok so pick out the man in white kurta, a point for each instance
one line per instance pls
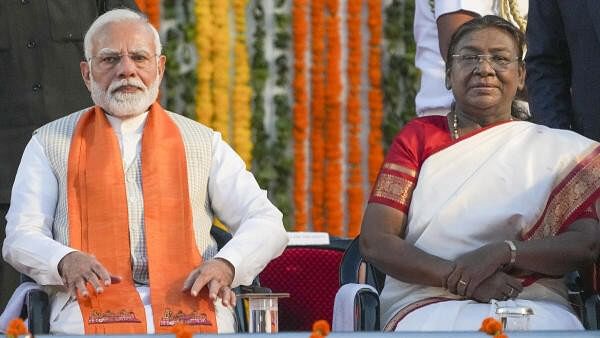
(219, 185)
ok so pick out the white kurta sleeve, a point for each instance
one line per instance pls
(238, 201)
(29, 246)
(481, 7)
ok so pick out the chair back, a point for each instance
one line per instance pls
(355, 269)
(310, 274)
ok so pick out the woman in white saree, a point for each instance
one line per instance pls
(474, 209)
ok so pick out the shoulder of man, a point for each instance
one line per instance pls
(182, 120)
(68, 121)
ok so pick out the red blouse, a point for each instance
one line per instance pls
(419, 139)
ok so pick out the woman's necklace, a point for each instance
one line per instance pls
(455, 133)
(455, 125)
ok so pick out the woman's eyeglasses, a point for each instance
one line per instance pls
(498, 62)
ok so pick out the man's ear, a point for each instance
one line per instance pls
(85, 73)
(161, 65)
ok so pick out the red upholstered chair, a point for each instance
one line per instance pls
(310, 274)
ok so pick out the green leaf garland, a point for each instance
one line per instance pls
(400, 82)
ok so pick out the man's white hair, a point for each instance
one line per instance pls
(117, 15)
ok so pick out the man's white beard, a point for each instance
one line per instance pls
(124, 105)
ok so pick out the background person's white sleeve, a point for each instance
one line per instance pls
(238, 201)
(481, 7)
(29, 246)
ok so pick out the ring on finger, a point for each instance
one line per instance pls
(510, 292)
(462, 282)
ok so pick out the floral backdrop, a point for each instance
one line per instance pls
(309, 92)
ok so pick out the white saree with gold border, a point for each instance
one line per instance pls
(514, 181)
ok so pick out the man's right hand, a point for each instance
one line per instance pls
(77, 269)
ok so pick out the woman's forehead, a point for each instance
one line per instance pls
(489, 38)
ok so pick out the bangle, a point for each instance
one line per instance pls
(513, 254)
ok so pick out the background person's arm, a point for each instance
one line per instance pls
(447, 24)
(548, 66)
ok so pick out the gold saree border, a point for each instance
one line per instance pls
(570, 198)
(394, 188)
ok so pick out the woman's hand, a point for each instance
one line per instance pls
(500, 286)
(472, 268)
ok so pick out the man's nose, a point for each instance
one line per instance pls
(126, 67)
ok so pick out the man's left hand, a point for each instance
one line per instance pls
(217, 275)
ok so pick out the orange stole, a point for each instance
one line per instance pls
(98, 224)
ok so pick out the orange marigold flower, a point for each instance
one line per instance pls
(181, 331)
(501, 335)
(16, 327)
(315, 335)
(321, 327)
(491, 326)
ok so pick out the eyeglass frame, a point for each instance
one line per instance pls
(460, 58)
(120, 57)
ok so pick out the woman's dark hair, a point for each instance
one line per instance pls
(491, 21)
(488, 21)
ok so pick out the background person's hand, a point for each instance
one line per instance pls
(472, 268)
(77, 269)
(217, 275)
(499, 286)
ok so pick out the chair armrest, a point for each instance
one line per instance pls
(592, 312)
(356, 308)
(38, 312)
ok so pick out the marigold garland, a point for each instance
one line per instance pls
(152, 9)
(354, 191)
(333, 128)
(204, 67)
(375, 95)
(300, 111)
(242, 139)
(221, 52)
(318, 114)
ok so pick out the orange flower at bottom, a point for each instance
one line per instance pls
(320, 328)
(181, 331)
(492, 327)
(16, 327)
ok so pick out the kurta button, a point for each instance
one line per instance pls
(31, 44)
(36, 87)
(24, 2)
